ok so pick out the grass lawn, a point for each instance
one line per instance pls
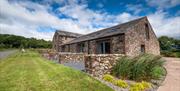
(30, 72)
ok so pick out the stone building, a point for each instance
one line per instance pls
(62, 37)
(131, 38)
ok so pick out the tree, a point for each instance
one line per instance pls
(166, 43)
(13, 41)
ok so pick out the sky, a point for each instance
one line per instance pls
(41, 18)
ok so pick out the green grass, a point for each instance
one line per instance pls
(30, 72)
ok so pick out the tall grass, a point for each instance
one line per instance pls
(122, 68)
(143, 67)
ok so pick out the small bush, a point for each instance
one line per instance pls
(133, 88)
(146, 84)
(140, 86)
(137, 87)
(121, 83)
(108, 78)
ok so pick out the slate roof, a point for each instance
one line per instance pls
(118, 29)
(70, 34)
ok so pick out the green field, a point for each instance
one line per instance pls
(30, 72)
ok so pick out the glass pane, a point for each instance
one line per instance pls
(107, 47)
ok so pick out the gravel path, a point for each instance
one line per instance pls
(4, 54)
(172, 80)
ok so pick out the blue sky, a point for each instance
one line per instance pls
(40, 18)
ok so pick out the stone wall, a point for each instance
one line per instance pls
(59, 40)
(136, 36)
(95, 64)
(92, 47)
(118, 44)
(70, 57)
(72, 48)
(49, 54)
(100, 64)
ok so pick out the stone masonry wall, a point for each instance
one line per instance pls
(67, 57)
(100, 64)
(95, 64)
(59, 40)
(117, 44)
(136, 36)
(92, 47)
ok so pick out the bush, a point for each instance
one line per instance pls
(177, 54)
(168, 54)
(146, 84)
(139, 68)
(108, 78)
(137, 87)
(121, 83)
(140, 86)
(173, 53)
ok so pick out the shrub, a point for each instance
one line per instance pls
(136, 87)
(168, 54)
(171, 53)
(140, 86)
(139, 68)
(177, 54)
(133, 88)
(108, 78)
(146, 84)
(121, 83)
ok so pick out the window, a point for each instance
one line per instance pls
(147, 31)
(63, 48)
(142, 48)
(103, 47)
(81, 47)
(68, 48)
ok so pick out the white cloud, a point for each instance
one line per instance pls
(88, 18)
(165, 26)
(14, 15)
(26, 31)
(16, 18)
(135, 8)
(161, 4)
